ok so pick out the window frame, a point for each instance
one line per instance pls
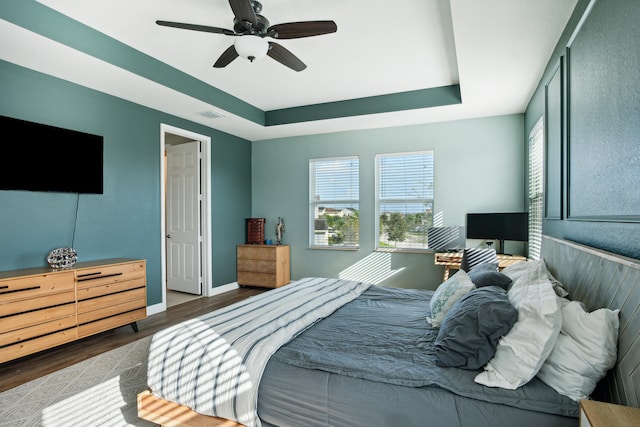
(313, 204)
(378, 201)
(536, 188)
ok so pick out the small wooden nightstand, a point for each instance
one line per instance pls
(263, 265)
(601, 414)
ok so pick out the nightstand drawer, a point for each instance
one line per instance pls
(256, 265)
(257, 279)
(258, 252)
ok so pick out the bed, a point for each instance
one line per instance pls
(362, 355)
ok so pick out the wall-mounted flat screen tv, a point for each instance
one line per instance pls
(38, 157)
(498, 226)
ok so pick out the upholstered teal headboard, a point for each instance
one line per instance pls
(602, 279)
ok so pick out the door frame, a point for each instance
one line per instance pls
(205, 214)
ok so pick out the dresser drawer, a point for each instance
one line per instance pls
(256, 279)
(25, 333)
(23, 306)
(257, 252)
(24, 348)
(98, 290)
(111, 322)
(256, 265)
(37, 317)
(34, 286)
(138, 296)
(102, 275)
(104, 312)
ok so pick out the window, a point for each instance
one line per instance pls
(334, 201)
(536, 188)
(404, 200)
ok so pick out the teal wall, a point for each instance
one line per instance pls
(125, 220)
(597, 169)
(479, 167)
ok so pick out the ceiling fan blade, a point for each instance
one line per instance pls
(195, 27)
(227, 56)
(283, 56)
(295, 30)
(243, 11)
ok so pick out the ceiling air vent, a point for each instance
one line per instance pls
(211, 114)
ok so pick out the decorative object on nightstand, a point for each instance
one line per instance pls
(255, 231)
(601, 414)
(279, 231)
(266, 266)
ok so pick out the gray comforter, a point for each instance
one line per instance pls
(383, 336)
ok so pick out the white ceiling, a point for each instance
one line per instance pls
(496, 50)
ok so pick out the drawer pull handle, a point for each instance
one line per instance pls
(4, 287)
(18, 290)
(84, 279)
(97, 273)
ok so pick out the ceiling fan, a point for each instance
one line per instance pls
(250, 29)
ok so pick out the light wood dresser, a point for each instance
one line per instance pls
(263, 265)
(41, 308)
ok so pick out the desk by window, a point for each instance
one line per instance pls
(452, 260)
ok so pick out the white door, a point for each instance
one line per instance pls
(183, 218)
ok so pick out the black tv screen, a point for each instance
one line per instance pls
(498, 226)
(38, 157)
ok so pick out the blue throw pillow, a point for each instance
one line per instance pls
(469, 334)
(488, 275)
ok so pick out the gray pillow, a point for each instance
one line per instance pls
(487, 274)
(470, 331)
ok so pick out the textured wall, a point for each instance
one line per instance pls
(478, 164)
(600, 161)
(125, 220)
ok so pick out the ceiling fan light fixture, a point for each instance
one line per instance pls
(251, 47)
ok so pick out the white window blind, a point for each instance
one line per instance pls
(536, 188)
(334, 202)
(404, 200)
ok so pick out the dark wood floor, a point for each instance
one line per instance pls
(28, 368)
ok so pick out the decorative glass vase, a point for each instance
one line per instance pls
(62, 258)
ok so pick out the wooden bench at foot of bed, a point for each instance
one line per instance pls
(171, 414)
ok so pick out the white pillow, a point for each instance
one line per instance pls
(531, 271)
(585, 351)
(523, 350)
(447, 294)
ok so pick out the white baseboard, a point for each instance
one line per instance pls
(224, 288)
(156, 308)
(159, 308)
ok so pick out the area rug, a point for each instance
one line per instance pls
(100, 391)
